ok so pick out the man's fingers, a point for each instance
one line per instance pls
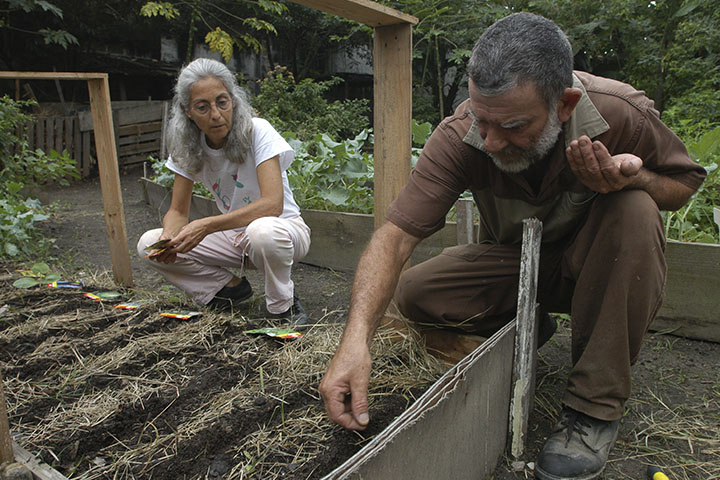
(587, 154)
(630, 166)
(359, 405)
(338, 407)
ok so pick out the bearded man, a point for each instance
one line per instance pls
(590, 158)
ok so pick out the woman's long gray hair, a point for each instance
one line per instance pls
(184, 136)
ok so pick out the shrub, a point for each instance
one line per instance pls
(23, 170)
(300, 107)
(695, 222)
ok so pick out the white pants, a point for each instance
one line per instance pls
(272, 244)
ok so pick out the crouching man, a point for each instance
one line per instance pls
(590, 158)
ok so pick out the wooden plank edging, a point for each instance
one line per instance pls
(469, 403)
(40, 470)
(338, 240)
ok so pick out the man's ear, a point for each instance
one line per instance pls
(188, 114)
(567, 103)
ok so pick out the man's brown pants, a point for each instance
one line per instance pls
(610, 277)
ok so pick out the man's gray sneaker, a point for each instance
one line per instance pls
(577, 449)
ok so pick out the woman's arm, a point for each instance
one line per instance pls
(176, 217)
(270, 204)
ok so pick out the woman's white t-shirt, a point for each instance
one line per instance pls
(236, 185)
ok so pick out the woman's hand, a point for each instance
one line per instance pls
(189, 236)
(159, 250)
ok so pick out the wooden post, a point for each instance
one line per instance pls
(393, 113)
(163, 132)
(526, 336)
(6, 453)
(464, 220)
(110, 179)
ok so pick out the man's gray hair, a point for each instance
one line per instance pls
(184, 136)
(522, 48)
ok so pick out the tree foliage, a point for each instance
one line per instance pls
(227, 24)
(300, 107)
(11, 10)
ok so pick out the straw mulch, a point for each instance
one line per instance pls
(99, 392)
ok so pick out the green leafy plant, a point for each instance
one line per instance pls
(300, 107)
(22, 171)
(166, 177)
(694, 222)
(36, 8)
(38, 273)
(330, 175)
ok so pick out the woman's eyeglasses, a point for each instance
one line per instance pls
(222, 103)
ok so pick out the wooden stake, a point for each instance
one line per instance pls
(525, 337)
(392, 84)
(464, 220)
(110, 179)
(6, 453)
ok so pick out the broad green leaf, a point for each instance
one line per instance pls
(336, 196)
(11, 249)
(25, 282)
(49, 7)
(708, 144)
(41, 268)
(685, 9)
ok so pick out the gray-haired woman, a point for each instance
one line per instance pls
(214, 139)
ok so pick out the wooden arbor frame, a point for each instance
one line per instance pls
(107, 163)
(392, 118)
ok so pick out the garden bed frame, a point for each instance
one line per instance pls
(338, 240)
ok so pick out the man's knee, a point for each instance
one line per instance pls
(631, 208)
(632, 218)
(410, 294)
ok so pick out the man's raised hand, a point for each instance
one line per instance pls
(597, 169)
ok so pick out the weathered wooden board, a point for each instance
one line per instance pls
(40, 470)
(6, 453)
(692, 298)
(457, 429)
(392, 124)
(99, 92)
(150, 112)
(525, 359)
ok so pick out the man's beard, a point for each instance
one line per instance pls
(515, 159)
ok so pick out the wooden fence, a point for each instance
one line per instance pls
(138, 127)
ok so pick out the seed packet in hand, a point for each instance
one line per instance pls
(157, 248)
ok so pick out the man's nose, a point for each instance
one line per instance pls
(494, 140)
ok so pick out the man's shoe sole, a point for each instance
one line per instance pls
(539, 473)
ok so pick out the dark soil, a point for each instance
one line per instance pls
(675, 380)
